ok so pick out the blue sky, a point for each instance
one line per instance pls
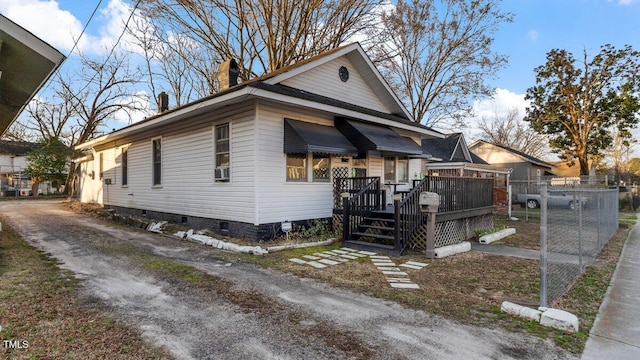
(539, 26)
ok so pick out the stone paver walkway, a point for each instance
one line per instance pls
(396, 277)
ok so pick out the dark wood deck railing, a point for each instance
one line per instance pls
(456, 194)
(352, 186)
(365, 195)
(355, 208)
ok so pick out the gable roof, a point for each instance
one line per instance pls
(269, 87)
(26, 63)
(523, 156)
(453, 148)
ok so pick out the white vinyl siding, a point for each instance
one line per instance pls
(279, 199)
(188, 170)
(324, 80)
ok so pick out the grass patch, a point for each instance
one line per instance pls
(470, 287)
(39, 308)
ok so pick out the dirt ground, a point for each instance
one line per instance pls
(234, 310)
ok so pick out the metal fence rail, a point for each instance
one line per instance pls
(572, 235)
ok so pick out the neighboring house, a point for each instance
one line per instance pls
(26, 62)
(12, 165)
(523, 166)
(258, 153)
(14, 180)
(451, 157)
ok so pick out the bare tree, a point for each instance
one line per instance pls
(98, 92)
(262, 35)
(172, 63)
(437, 55)
(511, 131)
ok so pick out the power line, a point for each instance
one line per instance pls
(115, 45)
(77, 41)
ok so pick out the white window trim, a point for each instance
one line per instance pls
(215, 153)
(157, 186)
(124, 149)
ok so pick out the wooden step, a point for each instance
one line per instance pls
(372, 219)
(374, 236)
(375, 227)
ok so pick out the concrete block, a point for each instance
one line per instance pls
(449, 250)
(559, 319)
(531, 314)
(404, 286)
(489, 238)
(510, 308)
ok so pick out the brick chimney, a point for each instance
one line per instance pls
(163, 102)
(228, 74)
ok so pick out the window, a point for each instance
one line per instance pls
(396, 169)
(101, 169)
(222, 145)
(157, 161)
(390, 169)
(296, 167)
(125, 165)
(321, 167)
(403, 170)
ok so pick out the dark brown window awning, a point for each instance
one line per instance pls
(302, 137)
(377, 137)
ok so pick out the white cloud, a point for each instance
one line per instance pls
(60, 28)
(44, 19)
(533, 35)
(625, 2)
(499, 104)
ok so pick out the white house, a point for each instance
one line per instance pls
(258, 153)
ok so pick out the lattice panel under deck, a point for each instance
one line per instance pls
(452, 232)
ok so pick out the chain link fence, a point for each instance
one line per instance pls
(524, 194)
(575, 223)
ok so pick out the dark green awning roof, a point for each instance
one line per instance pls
(303, 137)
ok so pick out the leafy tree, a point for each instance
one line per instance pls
(510, 131)
(48, 162)
(437, 55)
(578, 104)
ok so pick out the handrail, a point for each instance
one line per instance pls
(360, 205)
(408, 215)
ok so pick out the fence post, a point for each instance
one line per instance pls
(509, 190)
(397, 218)
(578, 203)
(543, 245)
(346, 216)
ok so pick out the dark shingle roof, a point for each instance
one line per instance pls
(16, 148)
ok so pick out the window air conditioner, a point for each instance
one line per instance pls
(222, 174)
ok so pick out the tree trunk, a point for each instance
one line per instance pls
(584, 165)
(34, 187)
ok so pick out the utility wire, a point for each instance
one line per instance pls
(76, 41)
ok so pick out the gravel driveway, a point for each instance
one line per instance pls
(193, 324)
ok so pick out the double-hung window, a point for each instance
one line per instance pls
(125, 166)
(157, 161)
(222, 149)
